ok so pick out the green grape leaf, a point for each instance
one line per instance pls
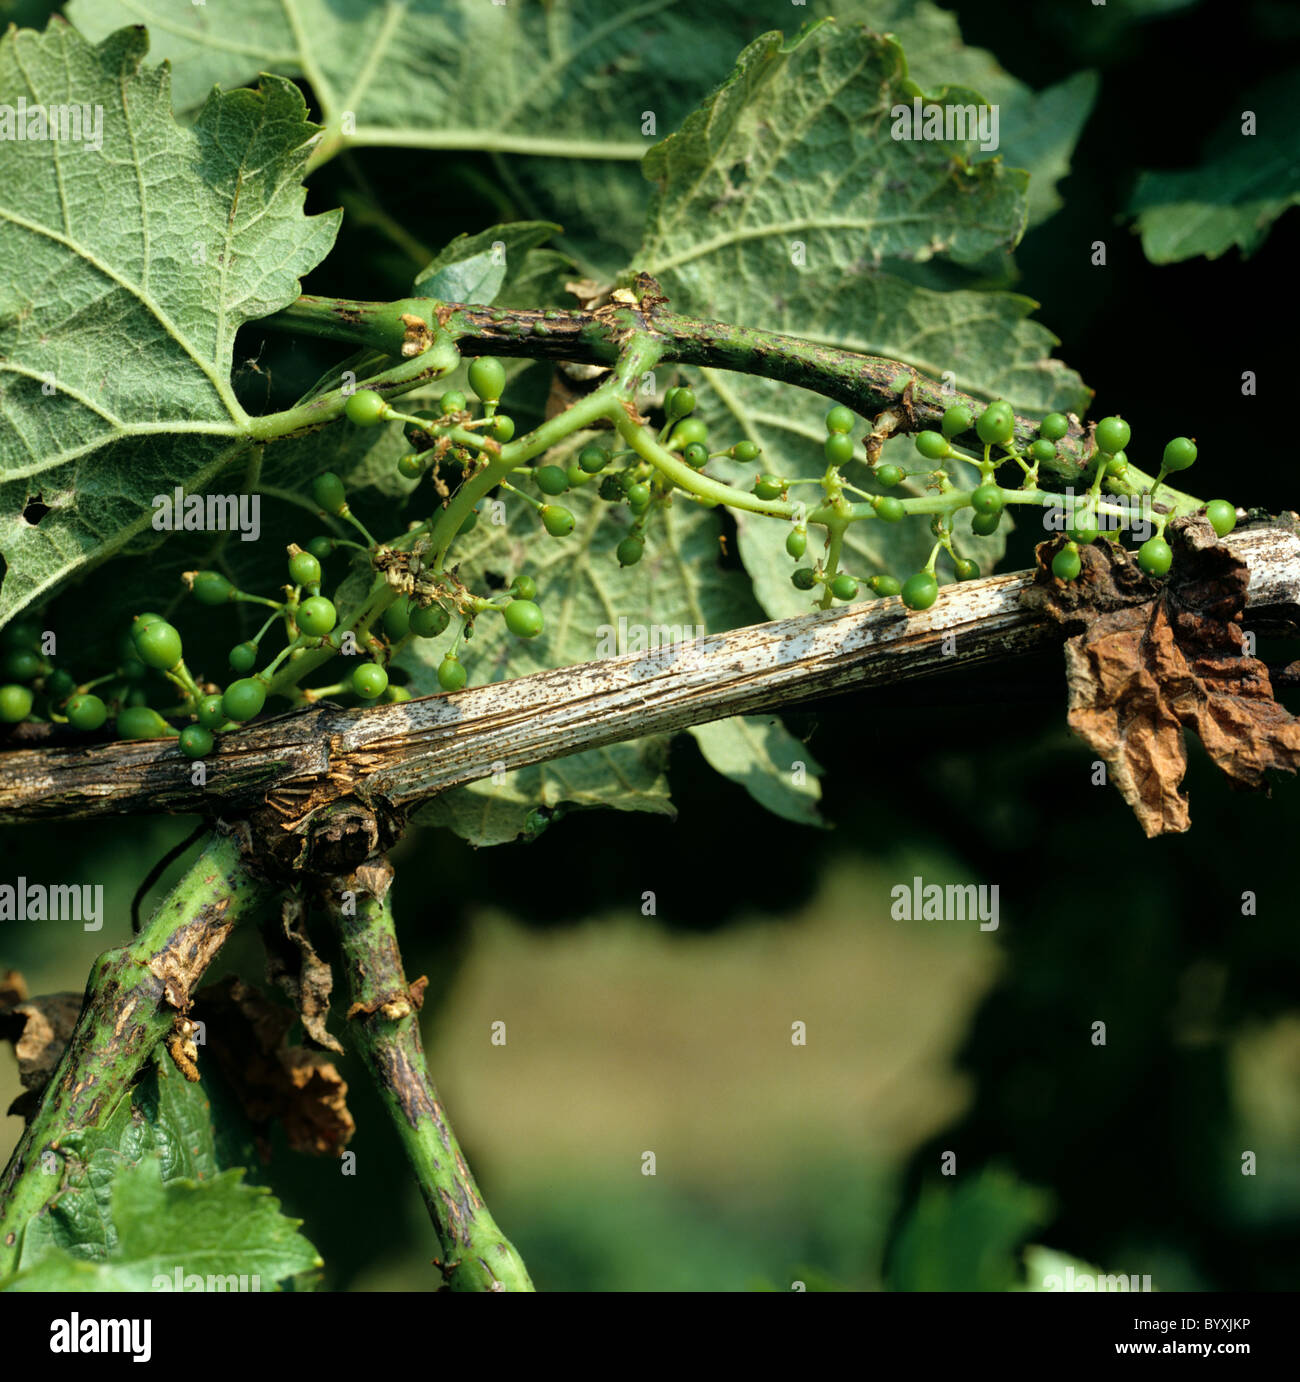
(1242, 185)
(593, 608)
(774, 767)
(219, 1231)
(126, 266)
(476, 268)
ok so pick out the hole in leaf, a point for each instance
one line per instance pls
(36, 510)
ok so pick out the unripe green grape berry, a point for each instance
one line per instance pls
(593, 459)
(611, 489)
(550, 479)
(196, 742)
(22, 633)
(453, 401)
(428, 621)
(451, 673)
(316, 616)
(410, 467)
(525, 587)
(1222, 516)
(365, 408)
(369, 681)
(396, 694)
(630, 550)
(696, 455)
(523, 619)
(15, 703)
(920, 591)
(502, 428)
(1054, 426)
(889, 475)
(890, 509)
(21, 664)
(210, 712)
(244, 699)
(965, 569)
(838, 448)
(1041, 451)
(577, 477)
(885, 585)
(397, 620)
(840, 419)
(1179, 454)
(59, 685)
(1066, 564)
(243, 656)
(932, 445)
(1155, 556)
(691, 429)
(638, 497)
(769, 486)
(559, 521)
(487, 377)
(996, 427)
(142, 621)
(85, 711)
(304, 569)
(804, 578)
(985, 524)
(1083, 528)
(159, 645)
(678, 403)
(211, 588)
(321, 547)
(957, 420)
(142, 722)
(796, 542)
(745, 451)
(1112, 435)
(327, 490)
(844, 587)
(987, 499)
(1117, 464)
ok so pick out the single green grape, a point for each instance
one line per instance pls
(142, 722)
(59, 685)
(523, 619)
(1117, 464)
(244, 699)
(889, 475)
(453, 401)
(397, 620)
(304, 569)
(196, 742)
(965, 569)
(21, 664)
(1042, 451)
(745, 451)
(932, 445)
(885, 585)
(611, 489)
(957, 420)
(987, 499)
(920, 591)
(525, 587)
(796, 542)
(410, 467)
(1155, 556)
(365, 408)
(770, 486)
(1222, 516)
(396, 694)
(638, 497)
(696, 455)
(428, 621)
(451, 673)
(1112, 435)
(1054, 426)
(321, 547)
(243, 656)
(688, 430)
(1083, 528)
(211, 713)
(557, 520)
(985, 524)
(316, 616)
(327, 490)
(996, 425)
(630, 550)
(159, 645)
(804, 578)
(577, 477)
(1179, 454)
(142, 621)
(679, 402)
(1067, 564)
(838, 448)
(890, 509)
(86, 711)
(211, 588)
(593, 459)
(487, 377)
(840, 419)
(844, 587)
(22, 633)
(550, 479)
(369, 681)
(15, 703)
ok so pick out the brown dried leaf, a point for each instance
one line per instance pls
(293, 964)
(1149, 660)
(40, 1029)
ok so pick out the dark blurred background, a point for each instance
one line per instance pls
(671, 1033)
